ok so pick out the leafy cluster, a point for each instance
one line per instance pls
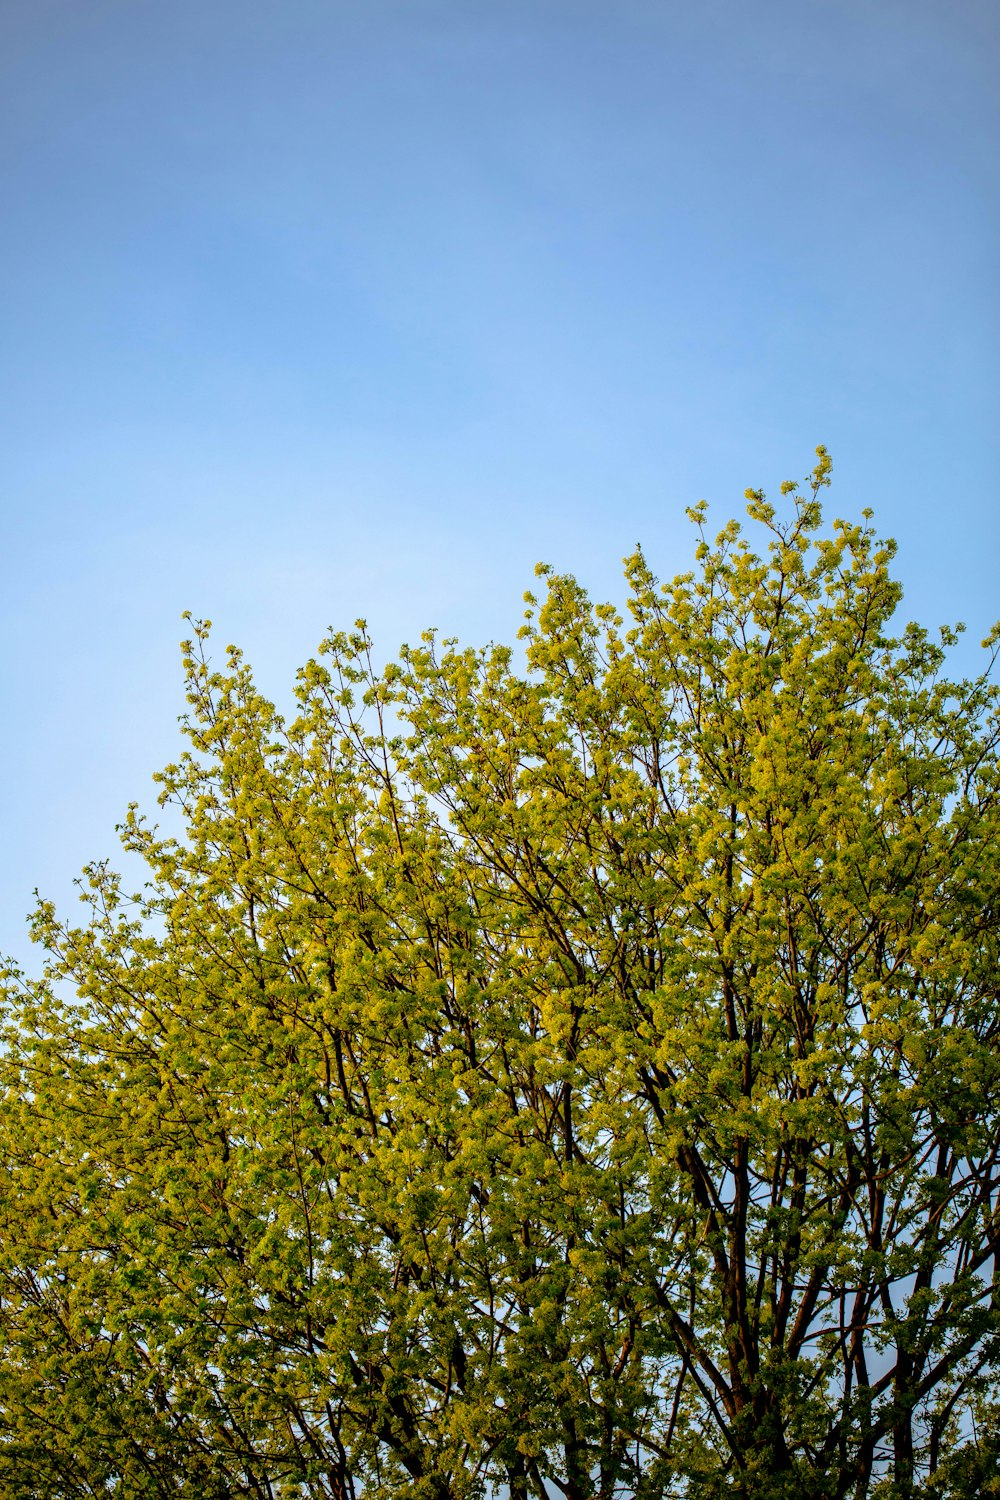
(573, 1077)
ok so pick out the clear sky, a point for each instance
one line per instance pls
(313, 309)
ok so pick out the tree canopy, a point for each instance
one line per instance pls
(566, 1069)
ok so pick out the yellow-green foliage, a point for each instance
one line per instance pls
(577, 1076)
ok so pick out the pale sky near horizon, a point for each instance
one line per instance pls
(310, 310)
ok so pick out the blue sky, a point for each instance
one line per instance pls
(314, 309)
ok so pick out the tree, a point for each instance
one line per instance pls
(579, 1078)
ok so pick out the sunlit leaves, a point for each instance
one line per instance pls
(573, 1071)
